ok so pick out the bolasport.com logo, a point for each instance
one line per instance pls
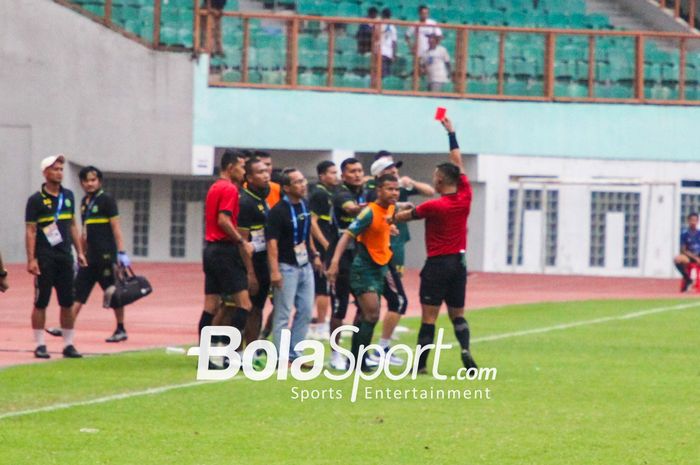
(310, 366)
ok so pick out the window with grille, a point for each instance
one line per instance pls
(182, 192)
(623, 202)
(690, 203)
(532, 200)
(139, 191)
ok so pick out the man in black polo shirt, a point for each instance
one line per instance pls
(348, 201)
(251, 224)
(291, 254)
(51, 230)
(323, 231)
(102, 236)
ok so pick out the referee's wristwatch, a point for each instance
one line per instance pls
(3, 273)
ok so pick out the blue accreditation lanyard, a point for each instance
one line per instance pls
(58, 208)
(295, 221)
(91, 204)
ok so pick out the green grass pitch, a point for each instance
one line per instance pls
(611, 391)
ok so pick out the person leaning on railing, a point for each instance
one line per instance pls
(215, 9)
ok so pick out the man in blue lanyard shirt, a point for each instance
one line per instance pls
(51, 231)
(291, 254)
(690, 250)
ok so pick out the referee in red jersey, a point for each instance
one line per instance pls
(227, 257)
(444, 275)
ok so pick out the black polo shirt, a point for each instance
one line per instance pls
(252, 216)
(280, 227)
(321, 205)
(344, 195)
(96, 214)
(42, 210)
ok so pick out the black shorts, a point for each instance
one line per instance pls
(444, 279)
(99, 270)
(394, 293)
(262, 274)
(56, 272)
(690, 259)
(224, 271)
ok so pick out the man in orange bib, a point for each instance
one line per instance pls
(372, 230)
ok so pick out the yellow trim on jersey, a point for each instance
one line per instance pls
(97, 221)
(49, 219)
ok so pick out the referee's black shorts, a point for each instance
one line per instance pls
(224, 271)
(444, 279)
(56, 272)
(100, 270)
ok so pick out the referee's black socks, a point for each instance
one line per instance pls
(683, 271)
(205, 320)
(462, 332)
(426, 335)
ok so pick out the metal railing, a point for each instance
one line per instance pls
(282, 51)
(149, 35)
(684, 9)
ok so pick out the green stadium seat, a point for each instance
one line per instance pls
(231, 76)
(572, 90)
(311, 79)
(393, 83)
(482, 87)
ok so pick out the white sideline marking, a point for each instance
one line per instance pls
(99, 400)
(495, 337)
(547, 329)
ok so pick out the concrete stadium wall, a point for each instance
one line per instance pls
(304, 120)
(68, 84)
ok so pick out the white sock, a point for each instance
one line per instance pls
(384, 343)
(68, 337)
(39, 337)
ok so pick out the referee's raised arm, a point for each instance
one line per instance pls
(455, 153)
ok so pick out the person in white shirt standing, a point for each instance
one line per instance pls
(435, 63)
(389, 40)
(423, 32)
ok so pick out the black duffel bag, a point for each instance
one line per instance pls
(128, 288)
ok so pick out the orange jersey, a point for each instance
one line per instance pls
(372, 230)
(275, 194)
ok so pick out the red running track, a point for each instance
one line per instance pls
(169, 316)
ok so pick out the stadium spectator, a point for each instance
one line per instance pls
(444, 275)
(393, 287)
(251, 224)
(348, 201)
(389, 43)
(371, 230)
(215, 7)
(364, 32)
(227, 257)
(51, 231)
(422, 32)
(290, 257)
(690, 250)
(102, 241)
(3, 277)
(322, 230)
(435, 64)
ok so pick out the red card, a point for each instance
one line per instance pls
(440, 113)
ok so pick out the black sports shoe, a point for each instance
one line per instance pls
(467, 360)
(40, 352)
(118, 336)
(56, 332)
(71, 352)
